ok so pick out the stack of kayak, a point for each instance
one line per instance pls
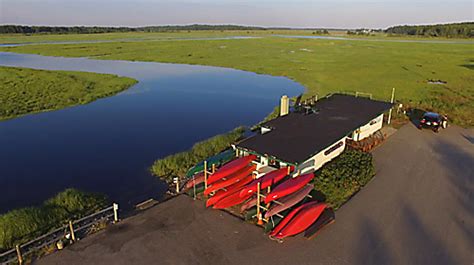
(289, 207)
(195, 175)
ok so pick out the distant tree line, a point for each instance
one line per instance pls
(460, 30)
(90, 30)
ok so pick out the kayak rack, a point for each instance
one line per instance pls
(261, 207)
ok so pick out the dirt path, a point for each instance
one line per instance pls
(418, 210)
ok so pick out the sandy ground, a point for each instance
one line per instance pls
(419, 209)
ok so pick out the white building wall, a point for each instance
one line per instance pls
(368, 129)
(321, 158)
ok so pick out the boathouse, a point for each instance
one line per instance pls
(311, 135)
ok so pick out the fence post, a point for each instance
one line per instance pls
(71, 229)
(18, 254)
(115, 207)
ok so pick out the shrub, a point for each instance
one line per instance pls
(339, 179)
(21, 225)
(177, 164)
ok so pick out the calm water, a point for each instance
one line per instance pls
(108, 145)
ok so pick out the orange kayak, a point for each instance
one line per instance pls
(288, 187)
(229, 190)
(267, 180)
(300, 221)
(231, 179)
(230, 168)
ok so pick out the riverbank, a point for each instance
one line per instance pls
(322, 65)
(22, 225)
(25, 91)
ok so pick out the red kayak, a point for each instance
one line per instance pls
(304, 218)
(231, 179)
(289, 201)
(230, 168)
(266, 181)
(250, 203)
(197, 179)
(229, 190)
(231, 200)
(288, 187)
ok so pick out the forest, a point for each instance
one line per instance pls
(90, 30)
(455, 30)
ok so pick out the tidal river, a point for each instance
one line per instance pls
(108, 145)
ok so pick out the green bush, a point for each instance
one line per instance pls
(178, 164)
(21, 225)
(339, 179)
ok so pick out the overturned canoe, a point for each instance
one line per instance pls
(218, 159)
(326, 218)
(289, 201)
(231, 179)
(299, 222)
(231, 200)
(194, 180)
(229, 190)
(288, 187)
(230, 168)
(250, 203)
(267, 180)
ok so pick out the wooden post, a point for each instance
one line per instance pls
(390, 111)
(71, 230)
(259, 214)
(194, 187)
(115, 207)
(18, 254)
(205, 174)
(213, 168)
(289, 170)
(177, 185)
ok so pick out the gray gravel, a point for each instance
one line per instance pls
(419, 209)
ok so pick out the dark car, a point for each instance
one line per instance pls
(433, 120)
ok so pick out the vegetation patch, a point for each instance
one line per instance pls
(178, 164)
(341, 178)
(21, 225)
(26, 91)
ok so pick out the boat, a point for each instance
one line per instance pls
(249, 203)
(230, 168)
(218, 159)
(289, 201)
(231, 200)
(326, 218)
(299, 222)
(231, 179)
(266, 180)
(228, 190)
(288, 187)
(286, 220)
(194, 180)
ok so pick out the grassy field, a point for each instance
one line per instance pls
(25, 91)
(322, 66)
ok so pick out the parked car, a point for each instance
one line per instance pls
(433, 120)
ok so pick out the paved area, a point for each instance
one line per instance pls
(419, 209)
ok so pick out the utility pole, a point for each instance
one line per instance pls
(390, 111)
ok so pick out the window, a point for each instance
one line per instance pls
(333, 148)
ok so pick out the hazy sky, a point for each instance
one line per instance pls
(298, 13)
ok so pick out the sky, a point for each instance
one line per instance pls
(296, 13)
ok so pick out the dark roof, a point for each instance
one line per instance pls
(297, 136)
